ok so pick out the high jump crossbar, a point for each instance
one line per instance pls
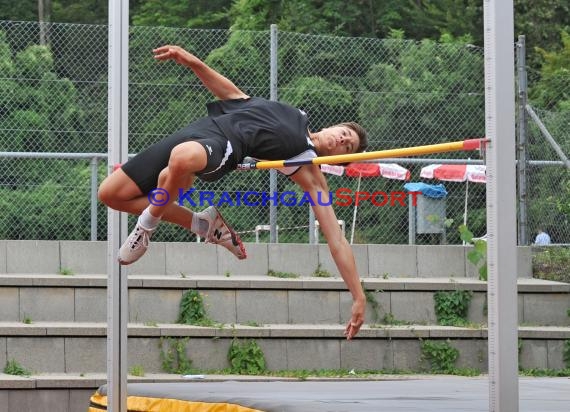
(461, 145)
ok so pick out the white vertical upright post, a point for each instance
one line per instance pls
(117, 292)
(501, 205)
(274, 97)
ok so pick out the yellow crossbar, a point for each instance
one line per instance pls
(462, 145)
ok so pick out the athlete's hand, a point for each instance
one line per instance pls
(357, 318)
(176, 53)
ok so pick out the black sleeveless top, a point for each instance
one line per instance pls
(261, 128)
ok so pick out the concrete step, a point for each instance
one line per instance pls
(82, 298)
(173, 258)
(81, 347)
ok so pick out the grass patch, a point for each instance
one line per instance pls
(66, 272)
(552, 263)
(279, 274)
(321, 273)
(389, 319)
(545, 372)
(14, 368)
(137, 370)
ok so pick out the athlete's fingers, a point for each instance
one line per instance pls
(165, 52)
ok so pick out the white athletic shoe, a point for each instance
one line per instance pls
(220, 233)
(135, 246)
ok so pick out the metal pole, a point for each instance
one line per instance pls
(117, 284)
(522, 141)
(312, 228)
(411, 224)
(94, 181)
(273, 96)
(548, 136)
(501, 206)
(354, 212)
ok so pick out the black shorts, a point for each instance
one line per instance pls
(145, 167)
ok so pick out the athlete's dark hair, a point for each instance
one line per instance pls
(361, 132)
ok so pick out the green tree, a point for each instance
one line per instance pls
(42, 112)
(80, 11)
(541, 21)
(245, 60)
(176, 13)
(22, 10)
(326, 100)
(429, 92)
(56, 202)
(553, 89)
(431, 19)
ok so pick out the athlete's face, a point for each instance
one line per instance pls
(338, 140)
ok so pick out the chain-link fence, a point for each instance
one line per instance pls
(548, 134)
(405, 93)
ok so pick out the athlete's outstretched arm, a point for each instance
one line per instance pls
(220, 86)
(311, 179)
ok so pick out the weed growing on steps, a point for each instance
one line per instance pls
(279, 274)
(137, 370)
(440, 354)
(372, 302)
(173, 356)
(478, 255)
(246, 358)
(14, 368)
(321, 273)
(192, 310)
(451, 307)
(66, 272)
(566, 353)
(552, 264)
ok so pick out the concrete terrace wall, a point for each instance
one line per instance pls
(86, 257)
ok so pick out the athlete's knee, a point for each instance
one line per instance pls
(186, 158)
(116, 189)
(105, 194)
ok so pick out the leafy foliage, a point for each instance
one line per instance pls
(553, 89)
(440, 354)
(192, 310)
(451, 307)
(14, 368)
(552, 263)
(478, 255)
(280, 274)
(321, 273)
(173, 355)
(566, 353)
(246, 358)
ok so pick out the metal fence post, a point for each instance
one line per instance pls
(522, 142)
(312, 232)
(117, 276)
(273, 96)
(94, 181)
